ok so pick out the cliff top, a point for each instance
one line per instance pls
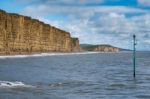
(30, 18)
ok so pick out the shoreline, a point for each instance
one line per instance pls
(4, 56)
(38, 54)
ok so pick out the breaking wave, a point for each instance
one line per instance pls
(15, 84)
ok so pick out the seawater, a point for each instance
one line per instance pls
(75, 76)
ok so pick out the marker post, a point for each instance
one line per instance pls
(134, 55)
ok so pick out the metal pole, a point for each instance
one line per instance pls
(134, 54)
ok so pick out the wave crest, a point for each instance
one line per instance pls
(8, 84)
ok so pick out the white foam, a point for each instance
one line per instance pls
(44, 54)
(8, 84)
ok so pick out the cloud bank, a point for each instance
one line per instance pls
(144, 2)
(94, 22)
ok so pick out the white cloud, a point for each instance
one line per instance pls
(110, 28)
(97, 24)
(81, 1)
(144, 2)
(147, 41)
(46, 9)
(115, 15)
(59, 2)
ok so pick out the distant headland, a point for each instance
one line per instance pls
(99, 48)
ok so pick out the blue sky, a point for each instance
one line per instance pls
(92, 21)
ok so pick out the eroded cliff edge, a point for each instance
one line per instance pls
(21, 34)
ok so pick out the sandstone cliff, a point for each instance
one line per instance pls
(106, 48)
(100, 48)
(75, 45)
(22, 34)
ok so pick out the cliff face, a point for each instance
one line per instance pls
(21, 34)
(100, 48)
(106, 48)
(75, 45)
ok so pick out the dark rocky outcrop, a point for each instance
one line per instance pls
(21, 34)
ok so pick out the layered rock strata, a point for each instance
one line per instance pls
(22, 34)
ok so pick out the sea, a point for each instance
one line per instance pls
(86, 75)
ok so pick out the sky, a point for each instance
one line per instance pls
(92, 21)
